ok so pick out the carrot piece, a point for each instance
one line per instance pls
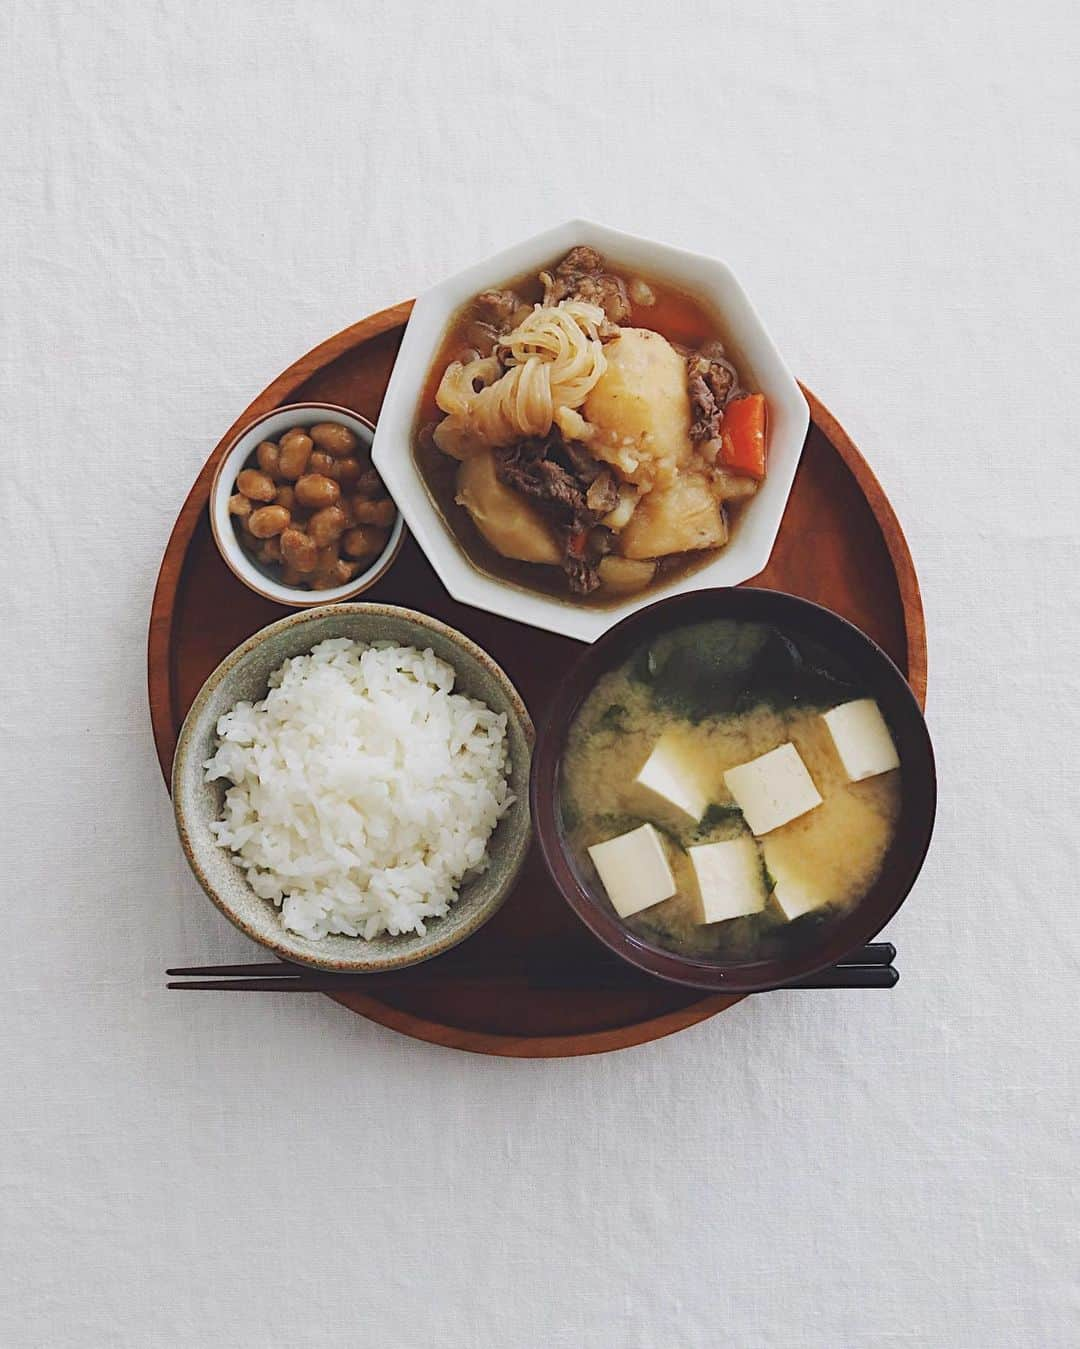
(575, 544)
(742, 436)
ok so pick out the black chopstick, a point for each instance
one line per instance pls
(873, 953)
(848, 976)
(270, 967)
(629, 980)
(870, 967)
(331, 983)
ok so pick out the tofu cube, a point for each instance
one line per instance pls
(729, 877)
(772, 789)
(862, 739)
(672, 772)
(794, 891)
(634, 870)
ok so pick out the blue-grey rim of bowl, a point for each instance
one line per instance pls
(196, 803)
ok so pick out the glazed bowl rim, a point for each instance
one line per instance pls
(277, 939)
(233, 555)
(874, 910)
(709, 278)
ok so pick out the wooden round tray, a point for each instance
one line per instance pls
(840, 544)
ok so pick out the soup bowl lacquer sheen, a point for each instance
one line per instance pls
(820, 944)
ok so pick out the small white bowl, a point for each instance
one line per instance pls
(711, 281)
(254, 575)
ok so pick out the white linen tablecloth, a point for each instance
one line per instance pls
(194, 194)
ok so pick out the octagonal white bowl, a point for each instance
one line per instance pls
(750, 345)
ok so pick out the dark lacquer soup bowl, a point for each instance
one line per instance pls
(815, 939)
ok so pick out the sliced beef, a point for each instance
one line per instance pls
(582, 552)
(581, 260)
(603, 493)
(581, 276)
(704, 414)
(601, 541)
(609, 292)
(721, 380)
(583, 575)
(530, 467)
(710, 382)
(573, 490)
(719, 373)
(503, 310)
(499, 306)
(559, 487)
(581, 556)
(584, 467)
(481, 338)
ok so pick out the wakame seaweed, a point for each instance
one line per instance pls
(716, 669)
(787, 675)
(700, 671)
(613, 718)
(717, 813)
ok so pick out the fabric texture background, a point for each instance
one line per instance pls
(196, 193)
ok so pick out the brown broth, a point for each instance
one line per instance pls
(675, 315)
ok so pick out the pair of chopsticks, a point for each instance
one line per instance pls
(871, 967)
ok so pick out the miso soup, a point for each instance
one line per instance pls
(812, 806)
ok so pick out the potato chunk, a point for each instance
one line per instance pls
(512, 526)
(623, 575)
(675, 519)
(640, 408)
(733, 486)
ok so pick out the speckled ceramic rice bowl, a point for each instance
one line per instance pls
(244, 676)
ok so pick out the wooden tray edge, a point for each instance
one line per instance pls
(160, 689)
(899, 553)
(534, 1046)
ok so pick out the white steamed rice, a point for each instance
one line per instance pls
(364, 789)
